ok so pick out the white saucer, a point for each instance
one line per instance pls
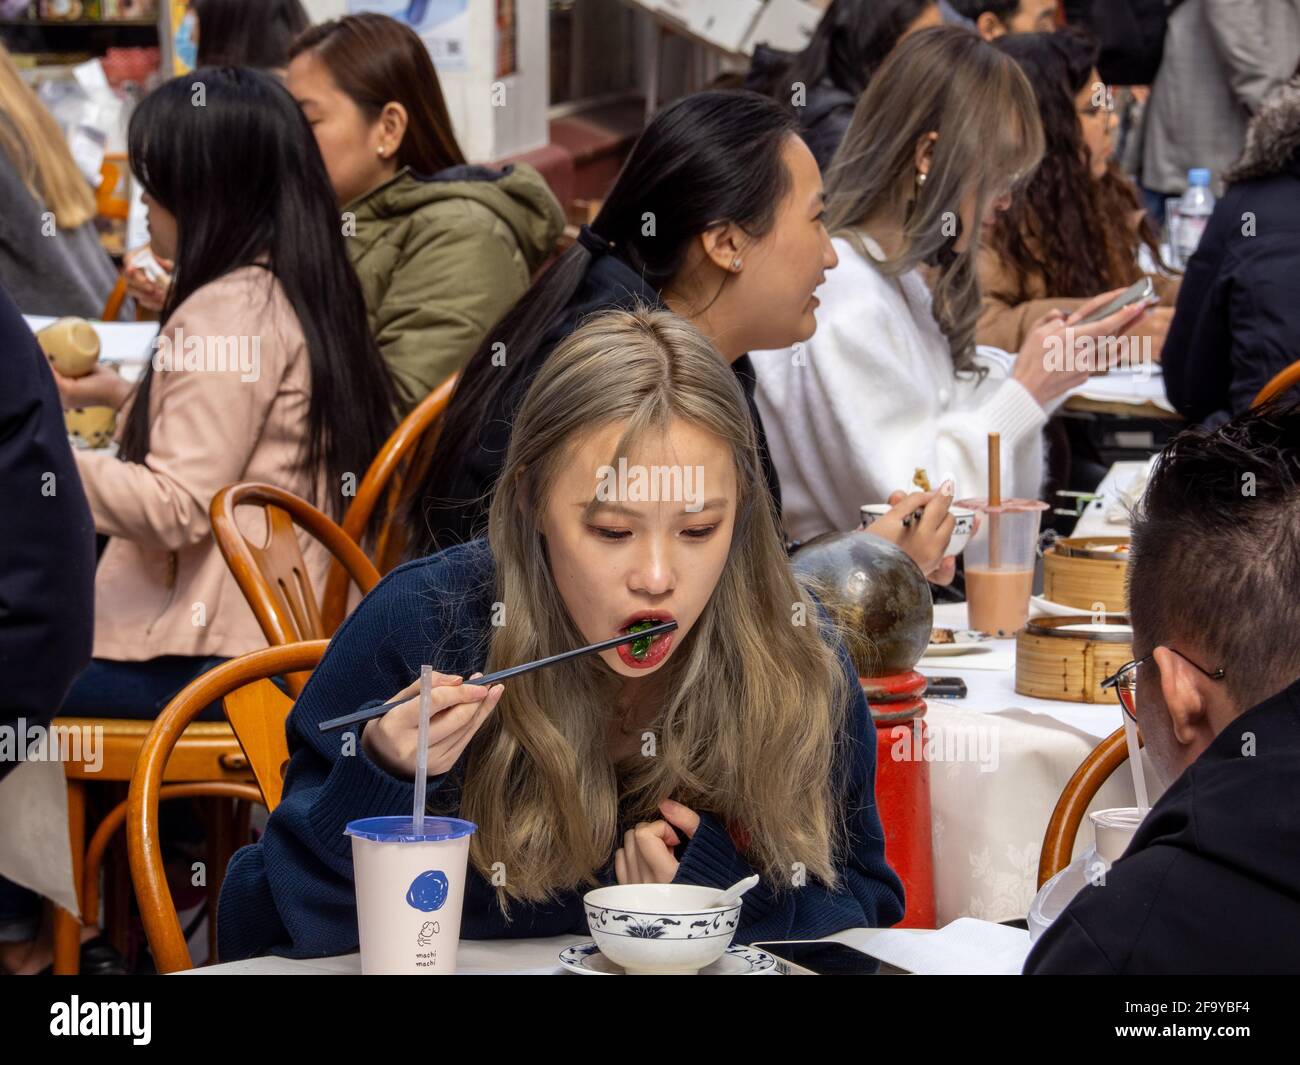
(587, 959)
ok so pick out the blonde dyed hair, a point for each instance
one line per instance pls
(947, 81)
(755, 692)
(33, 142)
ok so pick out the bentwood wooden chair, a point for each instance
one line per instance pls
(1283, 381)
(257, 711)
(208, 762)
(273, 576)
(400, 462)
(1063, 828)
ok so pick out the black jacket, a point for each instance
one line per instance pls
(459, 514)
(1238, 318)
(1211, 881)
(47, 537)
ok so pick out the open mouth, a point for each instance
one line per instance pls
(648, 651)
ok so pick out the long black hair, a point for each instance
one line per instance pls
(248, 33)
(239, 169)
(850, 42)
(1064, 229)
(708, 159)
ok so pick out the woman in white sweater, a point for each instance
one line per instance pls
(891, 380)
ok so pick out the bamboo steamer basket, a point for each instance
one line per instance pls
(1055, 660)
(1087, 573)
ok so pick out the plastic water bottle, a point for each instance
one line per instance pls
(1194, 211)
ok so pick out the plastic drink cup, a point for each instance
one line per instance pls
(1000, 560)
(410, 891)
(1115, 829)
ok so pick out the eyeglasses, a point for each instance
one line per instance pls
(1124, 680)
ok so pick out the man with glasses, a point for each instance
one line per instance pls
(1211, 881)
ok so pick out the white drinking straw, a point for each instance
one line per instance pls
(422, 749)
(1135, 760)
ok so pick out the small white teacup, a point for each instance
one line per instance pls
(660, 928)
(961, 533)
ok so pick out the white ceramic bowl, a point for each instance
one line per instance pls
(660, 928)
(961, 533)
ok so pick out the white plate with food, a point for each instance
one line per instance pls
(947, 642)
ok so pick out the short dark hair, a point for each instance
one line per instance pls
(1216, 551)
(973, 9)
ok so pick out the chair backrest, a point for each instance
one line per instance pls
(1282, 380)
(1063, 828)
(273, 576)
(400, 462)
(157, 910)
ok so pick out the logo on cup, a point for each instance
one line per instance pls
(428, 891)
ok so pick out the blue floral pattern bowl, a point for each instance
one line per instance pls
(660, 928)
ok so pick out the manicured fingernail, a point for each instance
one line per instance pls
(947, 488)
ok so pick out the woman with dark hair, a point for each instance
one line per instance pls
(823, 82)
(892, 380)
(217, 33)
(442, 249)
(1076, 228)
(264, 370)
(717, 216)
(247, 33)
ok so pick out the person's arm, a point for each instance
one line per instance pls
(876, 419)
(451, 285)
(1066, 948)
(1240, 34)
(292, 893)
(47, 537)
(1005, 319)
(868, 894)
(203, 432)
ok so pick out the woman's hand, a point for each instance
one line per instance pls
(646, 856)
(926, 539)
(458, 711)
(1052, 360)
(148, 278)
(102, 387)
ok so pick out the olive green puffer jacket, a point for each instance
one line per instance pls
(442, 258)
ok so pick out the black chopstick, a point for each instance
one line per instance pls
(361, 716)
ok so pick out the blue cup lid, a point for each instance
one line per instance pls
(402, 829)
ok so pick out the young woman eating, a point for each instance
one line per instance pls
(1076, 227)
(264, 371)
(823, 82)
(763, 752)
(443, 249)
(717, 216)
(891, 380)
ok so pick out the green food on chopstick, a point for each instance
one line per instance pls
(640, 648)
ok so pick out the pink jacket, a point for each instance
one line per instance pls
(162, 587)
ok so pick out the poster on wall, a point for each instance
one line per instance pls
(507, 38)
(443, 25)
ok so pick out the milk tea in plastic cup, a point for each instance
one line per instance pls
(410, 891)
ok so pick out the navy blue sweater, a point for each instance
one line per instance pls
(292, 893)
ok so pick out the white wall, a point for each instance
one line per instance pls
(486, 131)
